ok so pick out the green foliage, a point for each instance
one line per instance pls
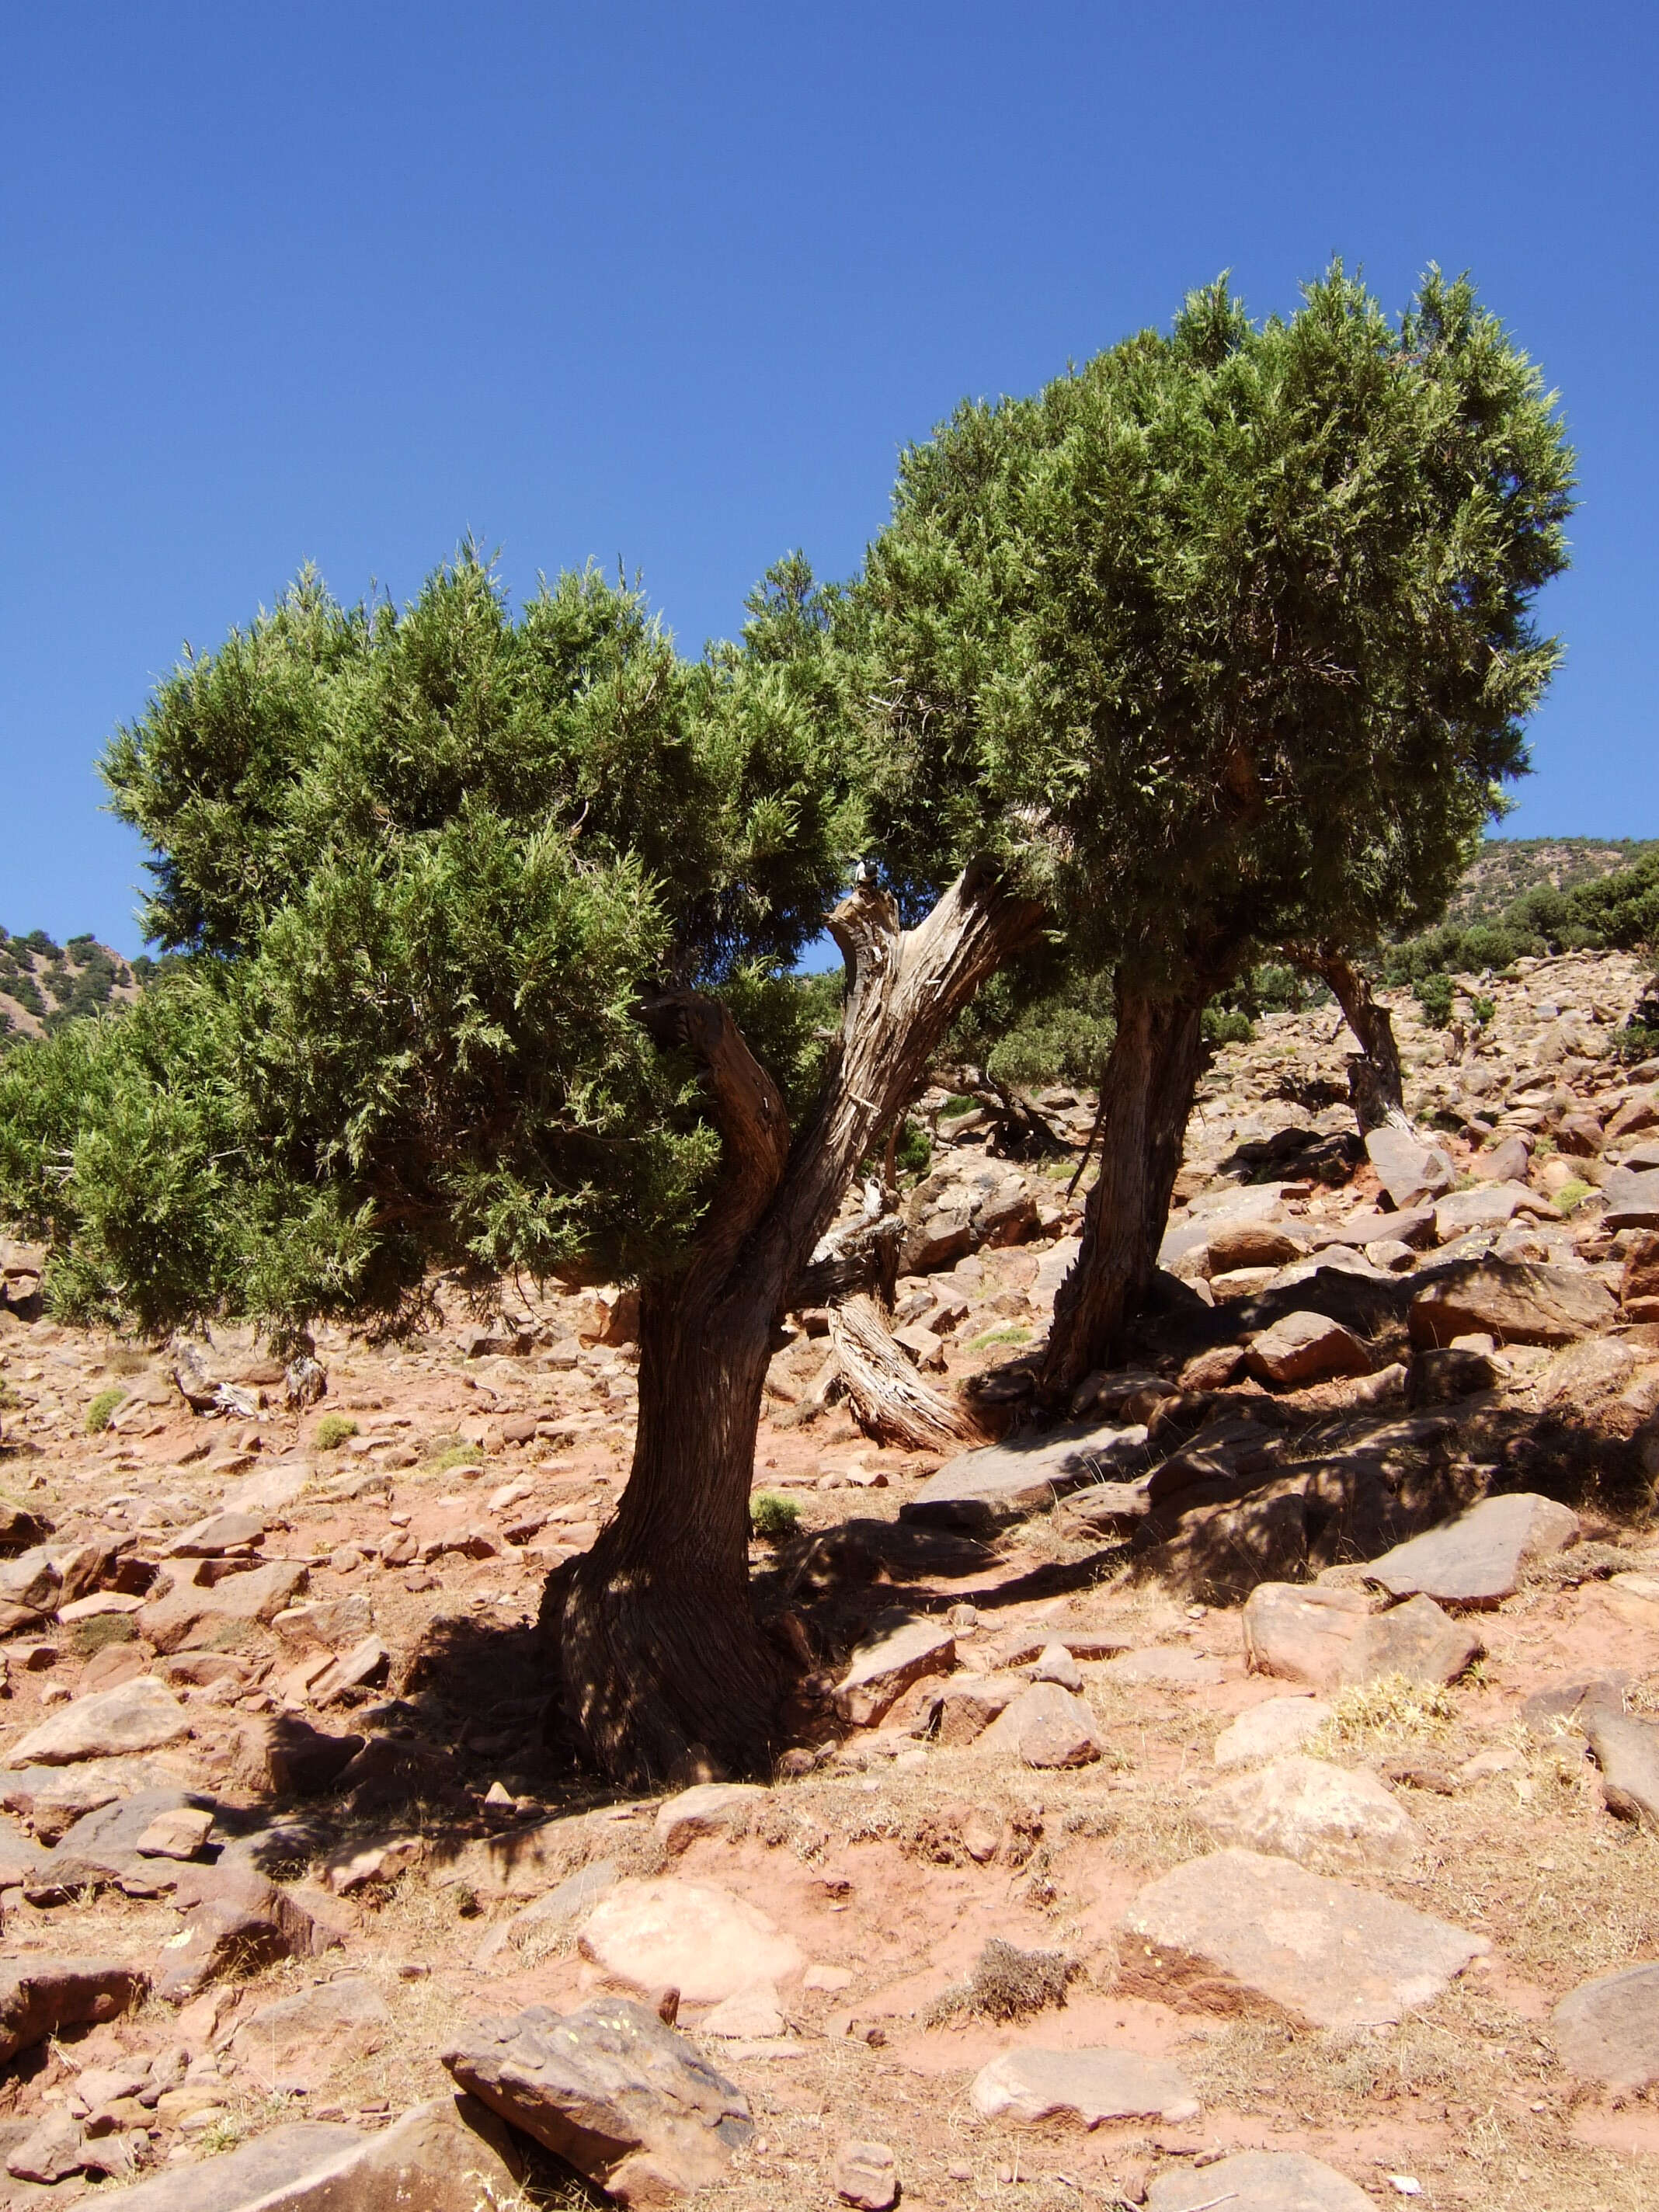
(1039, 1022)
(914, 1153)
(1482, 1011)
(1222, 640)
(774, 1519)
(332, 1431)
(417, 871)
(1617, 911)
(1434, 995)
(1227, 1025)
(102, 1411)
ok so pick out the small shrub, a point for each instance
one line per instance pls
(445, 1452)
(914, 1154)
(332, 1431)
(1394, 1709)
(1227, 1025)
(1572, 1194)
(956, 1106)
(1433, 994)
(773, 1519)
(101, 1412)
(92, 1635)
(1009, 1985)
(1482, 1009)
(1012, 1333)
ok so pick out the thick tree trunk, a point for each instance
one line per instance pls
(888, 1400)
(1146, 1097)
(1375, 1080)
(664, 1669)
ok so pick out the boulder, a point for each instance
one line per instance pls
(1415, 1639)
(1638, 1286)
(710, 1808)
(1235, 1244)
(1270, 1731)
(1258, 2181)
(1515, 1300)
(1407, 1169)
(609, 2089)
(575, 1896)
(1241, 1931)
(1608, 2030)
(190, 1613)
(39, 1996)
(1478, 1557)
(100, 1850)
(331, 1625)
(1032, 2087)
(752, 2015)
(1046, 1727)
(294, 2168)
(51, 1799)
(1506, 1161)
(235, 1920)
(30, 1585)
(1001, 1482)
(140, 1715)
(1443, 1374)
(1627, 1753)
(1632, 1198)
(692, 1937)
(1305, 1347)
(1489, 1205)
(1309, 1810)
(968, 1705)
(1301, 1633)
(220, 1533)
(51, 2151)
(904, 1647)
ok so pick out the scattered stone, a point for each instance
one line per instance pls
(1489, 1205)
(329, 1625)
(235, 1922)
(866, 2175)
(1632, 1199)
(51, 2151)
(286, 2170)
(692, 1937)
(1478, 1558)
(1608, 2030)
(1633, 1597)
(193, 1613)
(1515, 1300)
(39, 1996)
(219, 1534)
(1030, 2087)
(1258, 2181)
(968, 1705)
(1005, 1481)
(1046, 1727)
(1301, 1632)
(140, 1715)
(1443, 1374)
(1055, 1663)
(1168, 1666)
(1270, 1731)
(1306, 1347)
(1415, 1639)
(903, 1649)
(177, 1834)
(710, 1808)
(1627, 1753)
(357, 1867)
(1309, 1810)
(100, 1851)
(1242, 1931)
(625, 2099)
(1568, 1706)
(572, 1898)
(752, 2015)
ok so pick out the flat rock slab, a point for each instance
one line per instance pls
(626, 2100)
(1270, 1731)
(292, 2045)
(1567, 1706)
(1627, 1753)
(1307, 1810)
(1513, 1300)
(1301, 1631)
(1031, 2087)
(192, 1612)
(101, 1849)
(142, 1714)
(1415, 1639)
(37, 1996)
(1046, 1726)
(1258, 2181)
(1489, 1206)
(690, 1936)
(1632, 1199)
(574, 1897)
(1005, 1481)
(1242, 1931)
(51, 1799)
(901, 1649)
(1478, 1558)
(1168, 1666)
(710, 1808)
(1608, 2030)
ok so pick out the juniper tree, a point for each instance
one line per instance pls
(486, 924)
(1226, 634)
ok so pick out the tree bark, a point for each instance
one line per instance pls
(664, 1671)
(1375, 1080)
(1146, 1097)
(889, 1402)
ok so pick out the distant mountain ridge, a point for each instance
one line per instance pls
(43, 983)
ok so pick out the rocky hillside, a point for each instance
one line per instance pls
(1506, 868)
(41, 981)
(1245, 1795)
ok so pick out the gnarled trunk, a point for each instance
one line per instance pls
(663, 1667)
(1375, 1080)
(1146, 1097)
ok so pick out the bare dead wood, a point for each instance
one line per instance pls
(887, 1397)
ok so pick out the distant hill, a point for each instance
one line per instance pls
(1508, 867)
(42, 983)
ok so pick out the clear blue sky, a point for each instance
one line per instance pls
(341, 283)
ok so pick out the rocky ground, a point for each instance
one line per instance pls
(1245, 1794)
